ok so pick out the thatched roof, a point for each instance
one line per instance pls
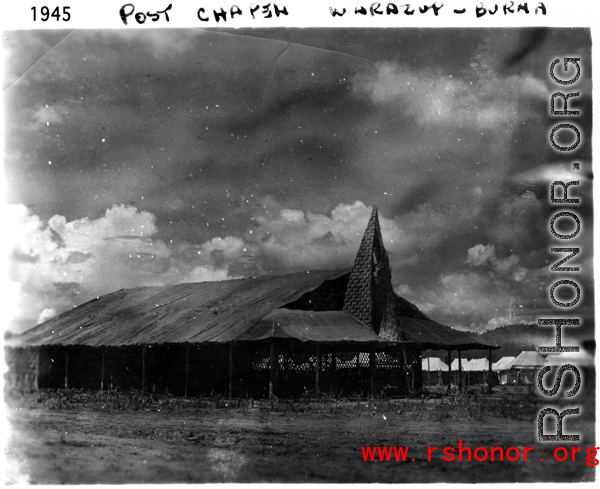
(228, 311)
(203, 312)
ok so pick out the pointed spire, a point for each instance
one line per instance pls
(369, 294)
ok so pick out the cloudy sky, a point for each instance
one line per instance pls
(167, 156)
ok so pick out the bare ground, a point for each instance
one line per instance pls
(85, 445)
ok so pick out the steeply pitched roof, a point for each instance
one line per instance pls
(369, 293)
(193, 312)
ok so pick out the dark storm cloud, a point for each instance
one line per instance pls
(152, 124)
(528, 43)
(186, 155)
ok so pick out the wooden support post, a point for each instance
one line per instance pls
(489, 371)
(429, 371)
(450, 369)
(110, 369)
(274, 367)
(334, 367)
(143, 369)
(102, 374)
(36, 380)
(230, 371)
(318, 371)
(410, 384)
(187, 369)
(67, 370)
(413, 378)
(373, 369)
(459, 372)
(418, 374)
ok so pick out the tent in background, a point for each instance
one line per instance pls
(502, 368)
(433, 370)
(476, 371)
(525, 367)
(455, 373)
(431, 364)
(463, 362)
(477, 365)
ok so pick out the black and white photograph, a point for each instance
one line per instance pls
(298, 255)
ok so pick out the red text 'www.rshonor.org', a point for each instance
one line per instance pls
(467, 454)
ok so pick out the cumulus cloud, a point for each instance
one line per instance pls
(490, 292)
(479, 254)
(227, 248)
(485, 100)
(61, 263)
(465, 299)
(500, 321)
(550, 173)
(45, 315)
(204, 273)
(294, 239)
(403, 290)
(46, 115)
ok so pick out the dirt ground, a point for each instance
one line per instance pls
(83, 445)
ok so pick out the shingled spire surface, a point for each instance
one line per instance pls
(369, 294)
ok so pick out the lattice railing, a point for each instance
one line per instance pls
(304, 362)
